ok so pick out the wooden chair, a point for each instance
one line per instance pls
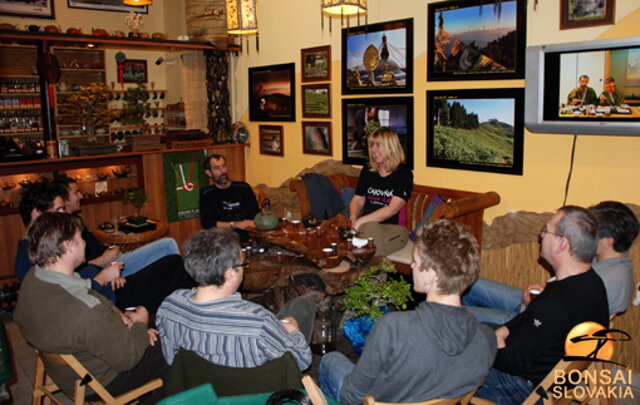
(44, 387)
(462, 400)
(544, 390)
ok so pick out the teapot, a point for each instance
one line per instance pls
(266, 220)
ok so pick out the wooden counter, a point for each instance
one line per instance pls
(99, 210)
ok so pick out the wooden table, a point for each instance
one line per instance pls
(130, 241)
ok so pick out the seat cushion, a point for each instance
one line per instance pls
(403, 255)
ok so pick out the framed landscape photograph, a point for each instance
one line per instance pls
(378, 58)
(106, 5)
(363, 116)
(34, 9)
(476, 39)
(316, 101)
(476, 129)
(316, 138)
(271, 141)
(586, 13)
(134, 71)
(272, 93)
(316, 63)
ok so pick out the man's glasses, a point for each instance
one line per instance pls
(544, 230)
(245, 264)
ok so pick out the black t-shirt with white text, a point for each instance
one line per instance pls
(378, 190)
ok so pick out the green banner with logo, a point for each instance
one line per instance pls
(183, 180)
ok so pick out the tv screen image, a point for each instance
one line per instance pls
(590, 87)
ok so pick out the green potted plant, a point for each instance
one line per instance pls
(137, 198)
(369, 298)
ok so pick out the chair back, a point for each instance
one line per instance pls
(544, 390)
(190, 370)
(461, 400)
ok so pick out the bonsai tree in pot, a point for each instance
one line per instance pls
(138, 199)
(369, 298)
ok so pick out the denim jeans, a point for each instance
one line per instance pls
(505, 389)
(334, 367)
(140, 258)
(492, 302)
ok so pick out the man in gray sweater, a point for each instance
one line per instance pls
(58, 312)
(437, 350)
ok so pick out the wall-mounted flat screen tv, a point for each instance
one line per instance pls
(590, 87)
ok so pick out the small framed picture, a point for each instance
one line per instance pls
(316, 101)
(272, 93)
(586, 13)
(107, 5)
(24, 8)
(271, 141)
(317, 138)
(134, 71)
(316, 63)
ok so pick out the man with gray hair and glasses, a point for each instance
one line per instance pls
(532, 343)
(214, 321)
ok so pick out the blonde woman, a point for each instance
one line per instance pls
(384, 187)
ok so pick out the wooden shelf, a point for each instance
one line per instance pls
(21, 133)
(25, 94)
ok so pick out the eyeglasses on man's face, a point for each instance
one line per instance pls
(544, 230)
(241, 265)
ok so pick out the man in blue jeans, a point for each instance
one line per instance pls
(100, 255)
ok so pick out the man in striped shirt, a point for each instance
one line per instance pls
(214, 321)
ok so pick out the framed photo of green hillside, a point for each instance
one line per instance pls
(480, 130)
(316, 101)
(476, 39)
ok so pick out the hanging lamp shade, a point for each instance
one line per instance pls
(241, 17)
(137, 2)
(344, 7)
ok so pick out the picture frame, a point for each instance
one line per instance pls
(316, 63)
(486, 134)
(316, 101)
(586, 13)
(271, 140)
(476, 40)
(316, 138)
(107, 5)
(272, 93)
(363, 116)
(378, 58)
(134, 71)
(25, 9)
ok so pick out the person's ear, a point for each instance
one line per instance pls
(606, 242)
(35, 213)
(208, 173)
(230, 274)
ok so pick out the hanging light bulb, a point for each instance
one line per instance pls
(344, 7)
(241, 17)
(137, 2)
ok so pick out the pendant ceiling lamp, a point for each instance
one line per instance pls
(138, 2)
(241, 17)
(343, 8)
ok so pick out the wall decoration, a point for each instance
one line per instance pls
(134, 71)
(633, 67)
(107, 5)
(316, 138)
(363, 116)
(271, 140)
(476, 129)
(378, 58)
(476, 39)
(183, 181)
(316, 63)
(272, 93)
(40, 9)
(316, 101)
(586, 13)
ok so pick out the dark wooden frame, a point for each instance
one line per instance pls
(308, 114)
(517, 94)
(320, 124)
(254, 98)
(567, 23)
(107, 5)
(13, 9)
(369, 30)
(511, 72)
(406, 102)
(142, 62)
(277, 131)
(317, 50)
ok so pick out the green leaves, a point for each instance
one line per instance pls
(373, 289)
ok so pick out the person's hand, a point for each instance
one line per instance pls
(109, 255)
(140, 314)
(153, 336)
(126, 320)
(527, 296)
(290, 324)
(575, 101)
(602, 98)
(355, 224)
(501, 336)
(244, 224)
(109, 273)
(118, 282)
